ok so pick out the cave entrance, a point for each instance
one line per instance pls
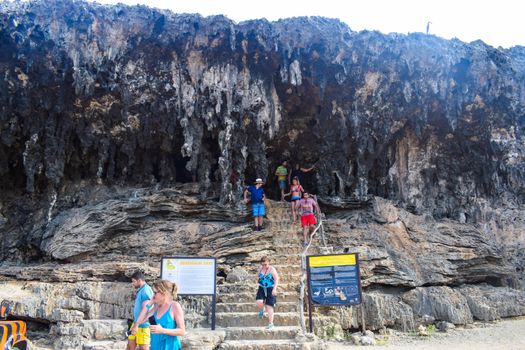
(211, 152)
(307, 179)
(181, 173)
(250, 173)
(271, 187)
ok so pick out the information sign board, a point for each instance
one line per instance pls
(334, 279)
(193, 275)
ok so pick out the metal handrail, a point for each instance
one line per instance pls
(303, 265)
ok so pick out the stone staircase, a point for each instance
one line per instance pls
(236, 308)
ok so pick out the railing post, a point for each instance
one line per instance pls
(301, 296)
(303, 267)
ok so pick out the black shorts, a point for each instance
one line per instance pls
(267, 297)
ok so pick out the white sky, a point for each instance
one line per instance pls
(496, 22)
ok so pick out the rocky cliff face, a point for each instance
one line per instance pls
(106, 111)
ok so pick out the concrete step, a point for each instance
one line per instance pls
(105, 345)
(247, 297)
(250, 319)
(292, 249)
(270, 344)
(254, 258)
(284, 225)
(295, 240)
(284, 278)
(288, 268)
(288, 259)
(284, 233)
(282, 268)
(252, 307)
(261, 333)
(284, 228)
(247, 287)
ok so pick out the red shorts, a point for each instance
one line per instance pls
(307, 220)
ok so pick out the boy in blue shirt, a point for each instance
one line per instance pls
(257, 197)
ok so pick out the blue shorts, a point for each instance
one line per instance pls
(258, 209)
(282, 184)
(296, 198)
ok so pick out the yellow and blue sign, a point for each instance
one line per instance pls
(334, 279)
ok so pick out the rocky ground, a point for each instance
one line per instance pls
(501, 335)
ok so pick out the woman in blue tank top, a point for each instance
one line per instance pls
(168, 314)
(268, 279)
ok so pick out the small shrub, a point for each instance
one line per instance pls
(431, 329)
(331, 331)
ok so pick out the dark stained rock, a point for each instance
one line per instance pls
(132, 94)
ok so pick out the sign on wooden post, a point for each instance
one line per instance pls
(193, 276)
(333, 280)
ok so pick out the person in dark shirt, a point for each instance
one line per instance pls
(299, 172)
(257, 197)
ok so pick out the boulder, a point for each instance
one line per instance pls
(442, 303)
(237, 274)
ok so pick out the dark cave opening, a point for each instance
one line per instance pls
(155, 165)
(16, 172)
(337, 184)
(250, 173)
(181, 173)
(79, 162)
(212, 151)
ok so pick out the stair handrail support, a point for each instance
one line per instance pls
(303, 265)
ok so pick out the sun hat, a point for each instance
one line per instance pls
(259, 181)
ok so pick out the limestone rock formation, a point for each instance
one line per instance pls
(129, 133)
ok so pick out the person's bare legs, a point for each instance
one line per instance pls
(306, 229)
(143, 347)
(260, 221)
(269, 310)
(132, 345)
(260, 306)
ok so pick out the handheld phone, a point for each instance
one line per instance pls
(152, 321)
(128, 333)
